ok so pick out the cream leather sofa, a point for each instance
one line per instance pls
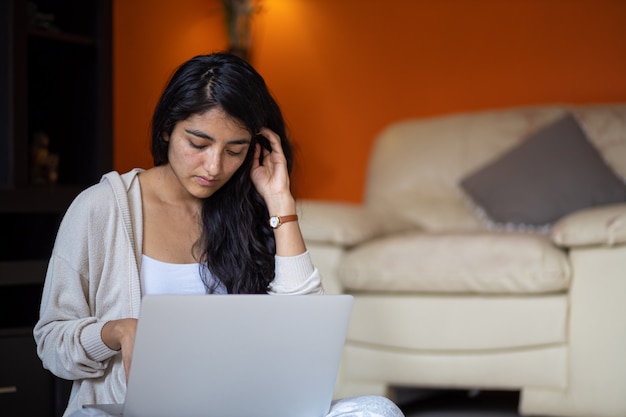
(442, 300)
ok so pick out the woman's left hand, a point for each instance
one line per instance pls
(272, 178)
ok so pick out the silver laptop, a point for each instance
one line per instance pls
(235, 356)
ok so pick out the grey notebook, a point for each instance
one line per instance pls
(235, 356)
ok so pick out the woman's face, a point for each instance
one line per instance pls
(205, 150)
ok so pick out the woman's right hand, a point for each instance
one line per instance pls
(120, 335)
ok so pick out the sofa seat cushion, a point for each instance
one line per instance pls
(480, 263)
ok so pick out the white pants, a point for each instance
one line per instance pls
(365, 406)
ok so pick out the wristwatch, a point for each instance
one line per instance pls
(276, 221)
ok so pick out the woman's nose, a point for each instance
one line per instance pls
(213, 162)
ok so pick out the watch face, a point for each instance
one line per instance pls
(274, 221)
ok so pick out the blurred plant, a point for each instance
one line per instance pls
(239, 14)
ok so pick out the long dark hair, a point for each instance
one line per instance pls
(237, 243)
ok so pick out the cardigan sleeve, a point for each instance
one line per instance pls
(296, 275)
(67, 333)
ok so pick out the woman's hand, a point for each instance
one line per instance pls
(272, 178)
(120, 335)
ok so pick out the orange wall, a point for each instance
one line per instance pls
(344, 69)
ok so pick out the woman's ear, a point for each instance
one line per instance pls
(165, 137)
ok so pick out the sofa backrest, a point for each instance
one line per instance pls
(416, 165)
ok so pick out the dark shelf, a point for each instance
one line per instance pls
(22, 272)
(38, 199)
(61, 37)
(16, 332)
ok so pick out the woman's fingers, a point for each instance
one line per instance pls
(273, 139)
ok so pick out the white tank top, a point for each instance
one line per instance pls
(165, 278)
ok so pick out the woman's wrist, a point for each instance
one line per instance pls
(282, 206)
(114, 332)
(107, 334)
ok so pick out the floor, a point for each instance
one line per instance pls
(452, 403)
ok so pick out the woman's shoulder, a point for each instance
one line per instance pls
(105, 195)
(120, 183)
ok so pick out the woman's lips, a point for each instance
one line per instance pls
(206, 182)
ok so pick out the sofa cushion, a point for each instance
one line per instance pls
(605, 225)
(482, 263)
(552, 173)
(344, 224)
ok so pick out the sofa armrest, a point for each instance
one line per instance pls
(344, 224)
(602, 225)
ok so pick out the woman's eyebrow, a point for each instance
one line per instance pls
(203, 135)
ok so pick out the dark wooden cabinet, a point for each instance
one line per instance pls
(55, 140)
(26, 389)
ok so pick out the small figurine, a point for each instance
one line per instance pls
(44, 164)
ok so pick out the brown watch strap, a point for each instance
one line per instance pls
(283, 219)
(288, 218)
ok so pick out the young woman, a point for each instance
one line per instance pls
(214, 215)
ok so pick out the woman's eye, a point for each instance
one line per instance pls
(195, 145)
(234, 153)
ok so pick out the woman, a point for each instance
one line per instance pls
(197, 222)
